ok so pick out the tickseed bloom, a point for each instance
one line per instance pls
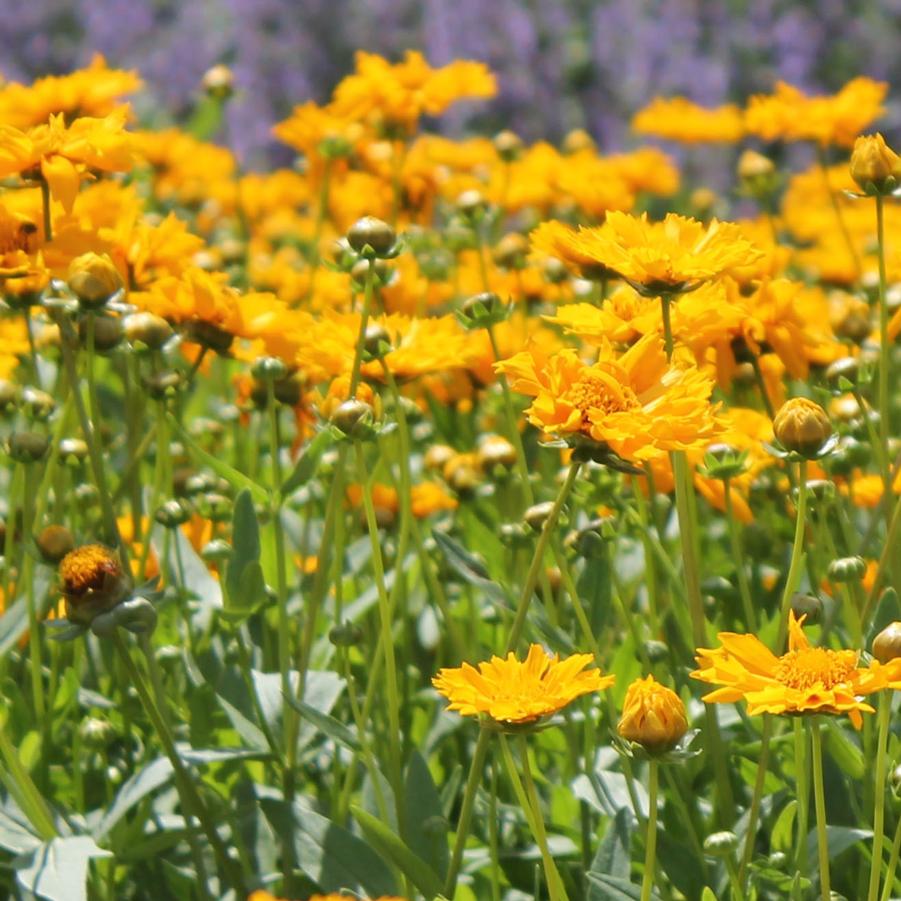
(678, 119)
(514, 692)
(399, 94)
(92, 581)
(637, 403)
(789, 114)
(653, 715)
(666, 257)
(62, 154)
(803, 680)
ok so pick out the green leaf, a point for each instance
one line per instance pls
(200, 582)
(844, 750)
(425, 827)
(133, 791)
(15, 836)
(305, 467)
(613, 888)
(328, 725)
(58, 869)
(468, 567)
(333, 858)
(782, 837)
(838, 838)
(614, 852)
(231, 475)
(391, 846)
(594, 589)
(245, 544)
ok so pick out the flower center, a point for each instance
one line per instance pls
(87, 567)
(806, 667)
(595, 390)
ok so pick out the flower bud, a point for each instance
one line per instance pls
(208, 335)
(93, 279)
(218, 82)
(577, 140)
(874, 165)
(657, 651)
(27, 447)
(703, 201)
(10, 396)
(807, 605)
(802, 426)
(470, 202)
(845, 368)
(495, 450)
(264, 368)
(163, 385)
(353, 418)
(752, 164)
(720, 844)
(346, 635)
(92, 582)
(371, 237)
(437, 456)
(887, 644)
(146, 330)
(723, 461)
(107, 333)
(847, 569)
(508, 145)
(462, 473)
(653, 716)
(852, 320)
(172, 514)
(511, 251)
(376, 341)
(37, 405)
(482, 311)
(536, 515)
(54, 542)
(96, 733)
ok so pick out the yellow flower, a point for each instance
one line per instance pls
(653, 715)
(510, 691)
(317, 131)
(399, 94)
(92, 581)
(663, 257)
(788, 114)
(803, 680)
(93, 91)
(873, 162)
(638, 404)
(63, 154)
(678, 119)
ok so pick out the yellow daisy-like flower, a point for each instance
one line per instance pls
(399, 94)
(513, 691)
(678, 119)
(789, 114)
(671, 256)
(638, 404)
(803, 680)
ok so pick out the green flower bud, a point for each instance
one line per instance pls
(847, 569)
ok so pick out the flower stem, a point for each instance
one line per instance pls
(469, 796)
(544, 538)
(191, 800)
(650, 849)
(892, 864)
(757, 797)
(820, 802)
(744, 589)
(884, 350)
(45, 203)
(885, 708)
(361, 336)
(803, 792)
(794, 567)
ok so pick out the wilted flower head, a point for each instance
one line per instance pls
(92, 581)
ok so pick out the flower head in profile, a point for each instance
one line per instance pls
(805, 679)
(678, 119)
(517, 692)
(788, 114)
(637, 403)
(666, 257)
(653, 715)
(92, 581)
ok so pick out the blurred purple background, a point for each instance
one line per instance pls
(567, 63)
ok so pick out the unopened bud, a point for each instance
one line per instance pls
(371, 237)
(887, 644)
(93, 279)
(802, 426)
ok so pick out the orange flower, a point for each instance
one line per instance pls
(510, 691)
(803, 680)
(637, 403)
(678, 119)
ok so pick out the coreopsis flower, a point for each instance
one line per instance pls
(399, 94)
(679, 119)
(638, 404)
(874, 165)
(515, 692)
(666, 257)
(805, 679)
(319, 132)
(62, 154)
(653, 716)
(93, 91)
(788, 114)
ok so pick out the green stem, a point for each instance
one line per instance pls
(650, 850)
(387, 638)
(885, 709)
(469, 796)
(892, 864)
(803, 789)
(190, 797)
(757, 797)
(820, 802)
(364, 322)
(744, 588)
(21, 787)
(884, 349)
(34, 636)
(45, 203)
(544, 538)
(797, 557)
